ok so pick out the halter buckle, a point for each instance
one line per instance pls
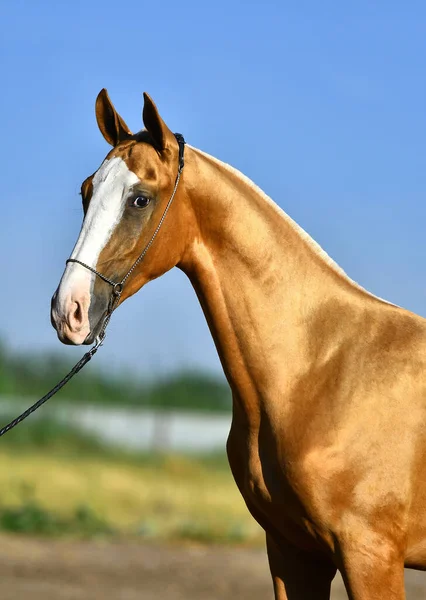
(117, 289)
(181, 142)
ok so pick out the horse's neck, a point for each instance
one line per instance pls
(258, 277)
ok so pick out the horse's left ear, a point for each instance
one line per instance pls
(161, 135)
(112, 126)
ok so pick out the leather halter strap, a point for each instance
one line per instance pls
(117, 286)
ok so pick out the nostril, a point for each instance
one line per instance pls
(76, 315)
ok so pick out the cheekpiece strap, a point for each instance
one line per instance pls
(181, 141)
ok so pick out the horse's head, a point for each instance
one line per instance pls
(123, 202)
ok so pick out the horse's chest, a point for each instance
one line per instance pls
(270, 489)
(260, 475)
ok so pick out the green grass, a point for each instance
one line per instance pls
(56, 481)
(30, 517)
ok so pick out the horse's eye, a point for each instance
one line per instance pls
(141, 202)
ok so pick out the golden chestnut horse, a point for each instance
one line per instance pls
(328, 436)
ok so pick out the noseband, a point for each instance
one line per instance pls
(117, 286)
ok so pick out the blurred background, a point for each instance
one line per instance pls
(122, 478)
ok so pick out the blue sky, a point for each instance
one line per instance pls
(322, 104)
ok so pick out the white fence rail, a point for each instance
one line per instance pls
(138, 429)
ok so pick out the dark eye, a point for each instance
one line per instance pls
(141, 201)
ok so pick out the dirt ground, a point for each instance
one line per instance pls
(73, 570)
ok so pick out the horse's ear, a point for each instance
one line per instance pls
(111, 125)
(158, 130)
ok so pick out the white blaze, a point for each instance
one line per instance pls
(110, 184)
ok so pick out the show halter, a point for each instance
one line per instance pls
(117, 289)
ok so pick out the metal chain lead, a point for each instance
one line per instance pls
(117, 289)
(76, 368)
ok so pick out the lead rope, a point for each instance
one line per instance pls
(117, 289)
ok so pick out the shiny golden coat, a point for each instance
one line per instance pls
(328, 437)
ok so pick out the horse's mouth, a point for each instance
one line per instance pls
(89, 339)
(95, 331)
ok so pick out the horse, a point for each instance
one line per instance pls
(328, 437)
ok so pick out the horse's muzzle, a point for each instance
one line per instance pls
(70, 318)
